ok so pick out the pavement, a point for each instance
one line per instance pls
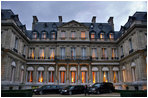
(81, 95)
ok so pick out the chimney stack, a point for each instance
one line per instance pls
(35, 20)
(93, 19)
(60, 19)
(111, 22)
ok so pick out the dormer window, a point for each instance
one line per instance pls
(83, 35)
(102, 36)
(34, 35)
(43, 35)
(53, 35)
(111, 36)
(92, 35)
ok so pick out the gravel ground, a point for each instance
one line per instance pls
(80, 95)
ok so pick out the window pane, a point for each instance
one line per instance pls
(83, 35)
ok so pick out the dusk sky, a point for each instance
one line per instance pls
(81, 11)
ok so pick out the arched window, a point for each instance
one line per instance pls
(92, 35)
(111, 36)
(13, 68)
(30, 74)
(133, 67)
(123, 73)
(102, 36)
(73, 74)
(53, 35)
(51, 74)
(44, 35)
(40, 75)
(84, 76)
(62, 75)
(95, 76)
(22, 74)
(105, 74)
(34, 35)
(116, 74)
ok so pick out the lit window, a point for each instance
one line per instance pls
(111, 37)
(16, 43)
(51, 76)
(73, 76)
(123, 75)
(53, 35)
(114, 52)
(94, 52)
(83, 77)
(102, 36)
(30, 76)
(104, 52)
(34, 35)
(52, 53)
(105, 76)
(73, 34)
(32, 53)
(63, 35)
(43, 35)
(115, 76)
(40, 76)
(92, 35)
(83, 35)
(62, 76)
(42, 55)
(94, 76)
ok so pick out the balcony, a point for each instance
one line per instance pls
(94, 58)
(30, 57)
(104, 58)
(73, 58)
(114, 58)
(122, 56)
(131, 51)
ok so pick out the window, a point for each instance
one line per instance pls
(84, 76)
(21, 74)
(62, 76)
(130, 43)
(83, 53)
(73, 53)
(53, 36)
(133, 74)
(24, 50)
(94, 76)
(63, 34)
(51, 76)
(94, 52)
(42, 56)
(30, 76)
(62, 53)
(104, 52)
(52, 53)
(16, 43)
(83, 36)
(73, 76)
(115, 76)
(114, 53)
(111, 36)
(34, 35)
(40, 76)
(73, 34)
(105, 76)
(32, 53)
(123, 75)
(102, 36)
(12, 73)
(92, 35)
(122, 50)
(43, 35)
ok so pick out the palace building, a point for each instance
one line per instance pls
(73, 53)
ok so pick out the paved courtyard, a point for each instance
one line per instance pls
(81, 95)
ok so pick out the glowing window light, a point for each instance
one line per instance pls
(94, 77)
(44, 35)
(83, 35)
(104, 77)
(115, 77)
(123, 75)
(113, 52)
(102, 36)
(51, 76)
(92, 35)
(62, 77)
(73, 77)
(52, 54)
(111, 36)
(93, 53)
(40, 77)
(31, 77)
(83, 77)
(103, 51)
(42, 53)
(32, 53)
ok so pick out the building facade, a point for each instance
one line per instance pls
(72, 53)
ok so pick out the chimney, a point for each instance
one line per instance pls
(93, 19)
(60, 19)
(111, 22)
(35, 20)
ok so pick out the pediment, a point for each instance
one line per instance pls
(73, 24)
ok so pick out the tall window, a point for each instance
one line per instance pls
(92, 35)
(40, 76)
(34, 35)
(133, 74)
(53, 35)
(16, 43)
(73, 76)
(32, 53)
(83, 36)
(73, 34)
(104, 52)
(42, 55)
(63, 34)
(122, 50)
(12, 73)
(114, 52)
(83, 53)
(51, 76)
(94, 52)
(115, 76)
(105, 76)
(130, 43)
(21, 75)
(30, 76)
(24, 50)
(52, 53)
(111, 36)
(102, 36)
(84, 76)
(94, 76)
(73, 53)
(43, 35)
(123, 75)
(63, 53)
(62, 76)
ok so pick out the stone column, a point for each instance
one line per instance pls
(67, 74)
(90, 74)
(45, 75)
(57, 78)
(35, 75)
(79, 74)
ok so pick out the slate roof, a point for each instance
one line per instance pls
(52, 26)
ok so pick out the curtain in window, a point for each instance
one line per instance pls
(51, 76)
(73, 76)
(105, 76)
(40, 76)
(52, 53)
(83, 35)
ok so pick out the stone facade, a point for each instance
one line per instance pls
(70, 54)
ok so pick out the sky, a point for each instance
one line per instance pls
(81, 11)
